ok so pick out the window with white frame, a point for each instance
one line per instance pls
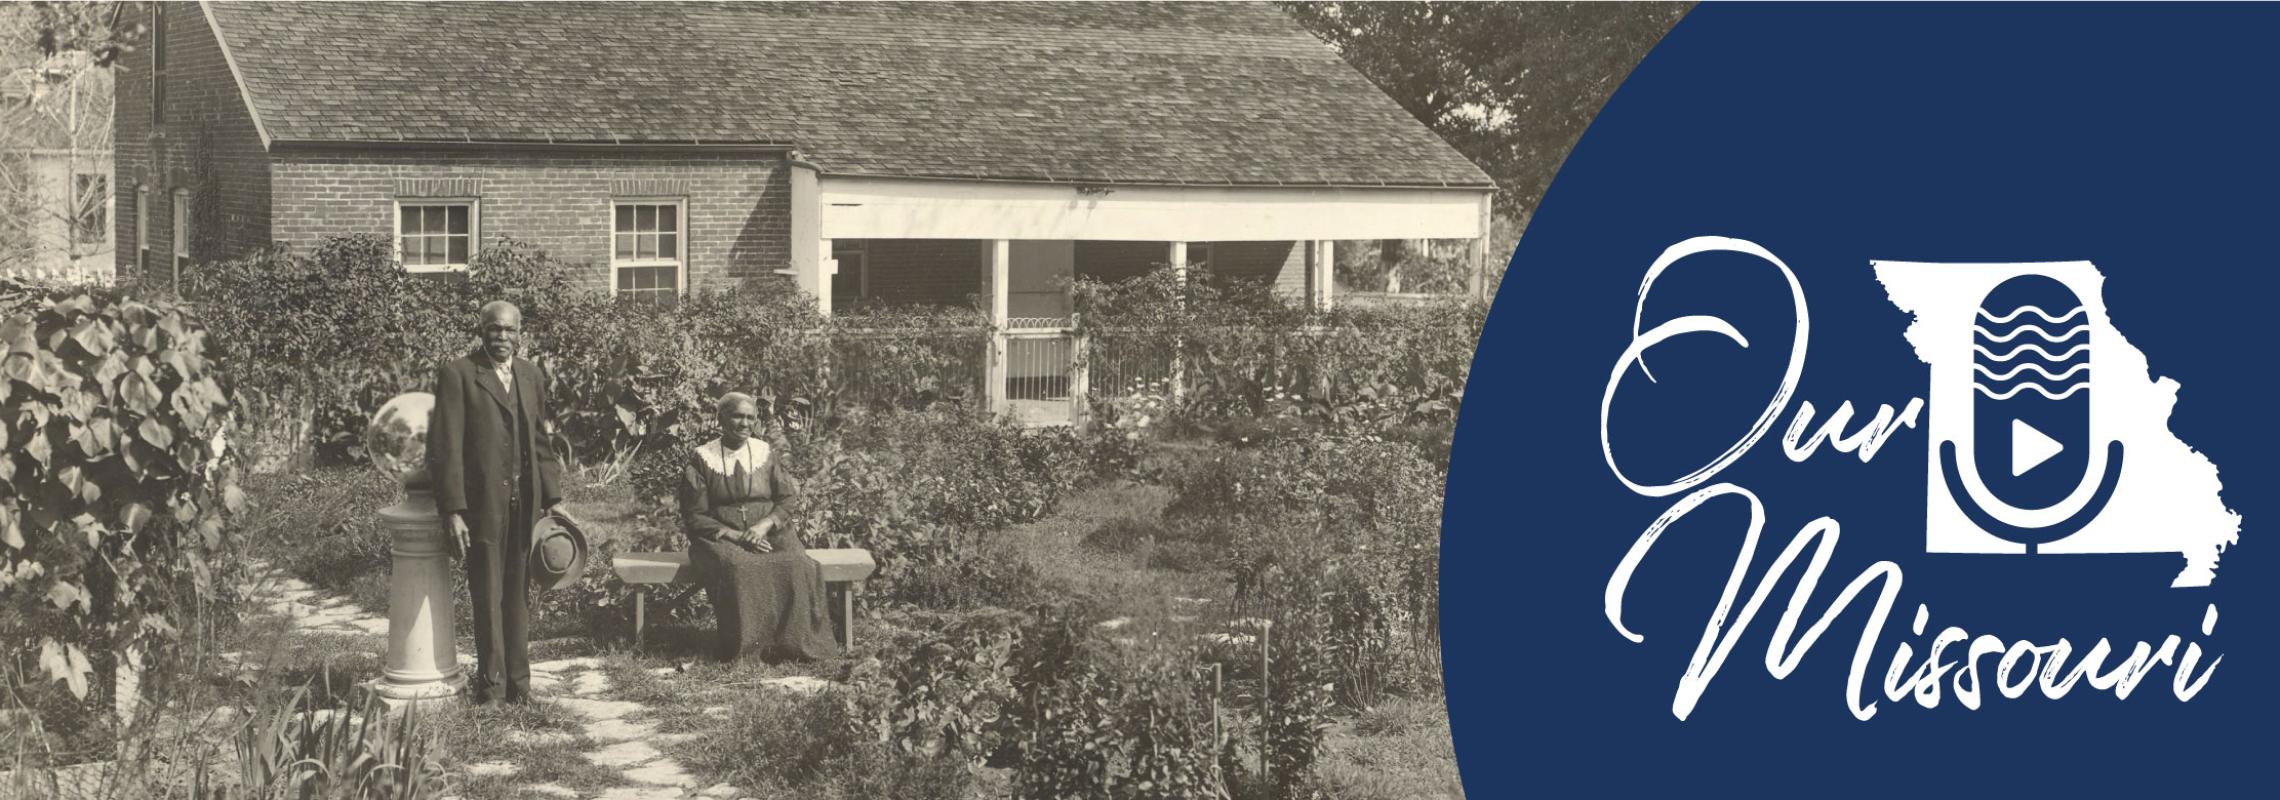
(142, 229)
(646, 250)
(181, 236)
(435, 235)
(158, 65)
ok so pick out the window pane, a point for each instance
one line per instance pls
(645, 219)
(645, 246)
(668, 219)
(458, 219)
(624, 219)
(411, 219)
(668, 245)
(625, 280)
(413, 256)
(625, 246)
(434, 222)
(458, 253)
(435, 249)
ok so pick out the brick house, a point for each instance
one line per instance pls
(885, 152)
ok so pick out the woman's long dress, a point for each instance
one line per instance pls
(772, 604)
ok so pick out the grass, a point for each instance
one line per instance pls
(1399, 750)
(540, 739)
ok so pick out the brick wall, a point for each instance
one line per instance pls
(205, 143)
(737, 206)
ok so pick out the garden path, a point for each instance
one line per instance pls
(620, 740)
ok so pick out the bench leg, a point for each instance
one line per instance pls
(846, 616)
(640, 613)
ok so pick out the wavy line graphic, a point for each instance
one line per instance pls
(2030, 385)
(2024, 367)
(2047, 355)
(2037, 330)
(2036, 310)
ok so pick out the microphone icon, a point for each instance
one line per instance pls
(2030, 412)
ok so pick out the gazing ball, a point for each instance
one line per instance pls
(397, 438)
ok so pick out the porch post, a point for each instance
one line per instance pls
(1476, 284)
(812, 265)
(997, 260)
(1179, 262)
(1322, 277)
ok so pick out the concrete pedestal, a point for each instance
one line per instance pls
(423, 661)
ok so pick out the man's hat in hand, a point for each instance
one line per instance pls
(557, 551)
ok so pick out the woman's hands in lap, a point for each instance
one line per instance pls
(756, 539)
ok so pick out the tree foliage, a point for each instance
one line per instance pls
(55, 130)
(1511, 85)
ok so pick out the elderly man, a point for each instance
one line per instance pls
(494, 475)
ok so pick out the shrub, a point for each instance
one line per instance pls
(1250, 360)
(319, 340)
(1337, 536)
(924, 488)
(114, 488)
(1069, 715)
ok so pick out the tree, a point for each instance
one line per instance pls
(55, 129)
(1510, 85)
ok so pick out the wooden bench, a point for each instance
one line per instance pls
(844, 570)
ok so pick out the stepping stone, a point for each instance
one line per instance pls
(598, 709)
(720, 790)
(588, 683)
(662, 773)
(666, 671)
(624, 754)
(716, 711)
(489, 769)
(1113, 624)
(1193, 601)
(640, 793)
(618, 730)
(550, 790)
(797, 684)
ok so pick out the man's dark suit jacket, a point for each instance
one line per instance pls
(470, 439)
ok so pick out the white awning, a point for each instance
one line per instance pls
(900, 208)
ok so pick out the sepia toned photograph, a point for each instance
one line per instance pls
(499, 400)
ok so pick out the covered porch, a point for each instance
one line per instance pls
(1012, 248)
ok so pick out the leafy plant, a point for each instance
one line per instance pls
(114, 486)
(296, 750)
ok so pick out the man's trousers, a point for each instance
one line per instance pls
(498, 586)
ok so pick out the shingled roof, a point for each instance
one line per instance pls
(1181, 93)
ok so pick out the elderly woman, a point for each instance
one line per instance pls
(766, 593)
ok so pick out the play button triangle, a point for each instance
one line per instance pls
(2030, 448)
